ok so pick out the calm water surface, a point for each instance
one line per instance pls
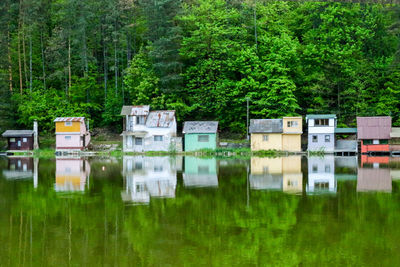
(161, 211)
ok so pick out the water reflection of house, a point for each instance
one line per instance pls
(276, 174)
(346, 168)
(147, 177)
(71, 174)
(19, 168)
(321, 175)
(200, 172)
(374, 179)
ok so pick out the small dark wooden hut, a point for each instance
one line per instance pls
(19, 139)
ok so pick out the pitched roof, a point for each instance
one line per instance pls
(374, 127)
(266, 126)
(160, 118)
(142, 110)
(200, 127)
(320, 116)
(17, 133)
(81, 119)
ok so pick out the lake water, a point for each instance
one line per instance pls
(162, 211)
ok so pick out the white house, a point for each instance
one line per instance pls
(147, 177)
(321, 175)
(321, 132)
(146, 130)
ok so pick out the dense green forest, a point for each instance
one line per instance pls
(203, 58)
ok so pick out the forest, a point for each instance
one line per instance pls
(202, 58)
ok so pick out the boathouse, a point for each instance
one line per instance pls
(146, 130)
(374, 134)
(71, 133)
(200, 135)
(19, 139)
(276, 134)
(321, 132)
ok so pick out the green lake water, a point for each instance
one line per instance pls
(162, 211)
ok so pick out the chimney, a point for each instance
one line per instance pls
(35, 135)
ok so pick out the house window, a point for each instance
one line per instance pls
(203, 169)
(265, 169)
(315, 138)
(203, 138)
(292, 124)
(24, 139)
(384, 142)
(265, 138)
(327, 138)
(140, 120)
(12, 140)
(315, 168)
(367, 142)
(140, 188)
(321, 122)
(138, 141)
(327, 168)
(138, 166)
(375, 142)
(67, 137)
(158, 168)
(158, 138)
(68, 123)
(321, 185)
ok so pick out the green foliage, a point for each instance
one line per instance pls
(203, 58)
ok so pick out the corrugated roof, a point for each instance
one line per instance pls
(345, 130)
(320, 116)
(200, 127)
(142, 110)
(160, 118)
(374, 127)
(266, 126)
(81, 119)
(17, 133)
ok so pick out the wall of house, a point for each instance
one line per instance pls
(374, 148)
(28, 145)
(321, 170)
(74, 143)
(297, 129)
(291, 164)
(258, 143)
(292, 182)
(321, 144)
(266, 165)
(291, 142)
(62, 128)
(148, 143)
(192, 143)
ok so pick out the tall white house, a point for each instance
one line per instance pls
(146, 130)
(321, 132)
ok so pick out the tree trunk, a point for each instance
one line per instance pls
(10, 77)
(19, 48)
(105, 70)
(43, 68)
(69, 64)
(30, 64)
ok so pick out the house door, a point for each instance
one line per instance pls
(129, 142)
(19, 143)
(138, 144)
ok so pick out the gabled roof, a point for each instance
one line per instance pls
(142, 110)
(200, 127)
(374, 127)
(81, 119)
(266, 126)
(320, 116)
(18, 133)
(160, 118)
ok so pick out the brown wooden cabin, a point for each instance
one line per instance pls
(19, 139)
